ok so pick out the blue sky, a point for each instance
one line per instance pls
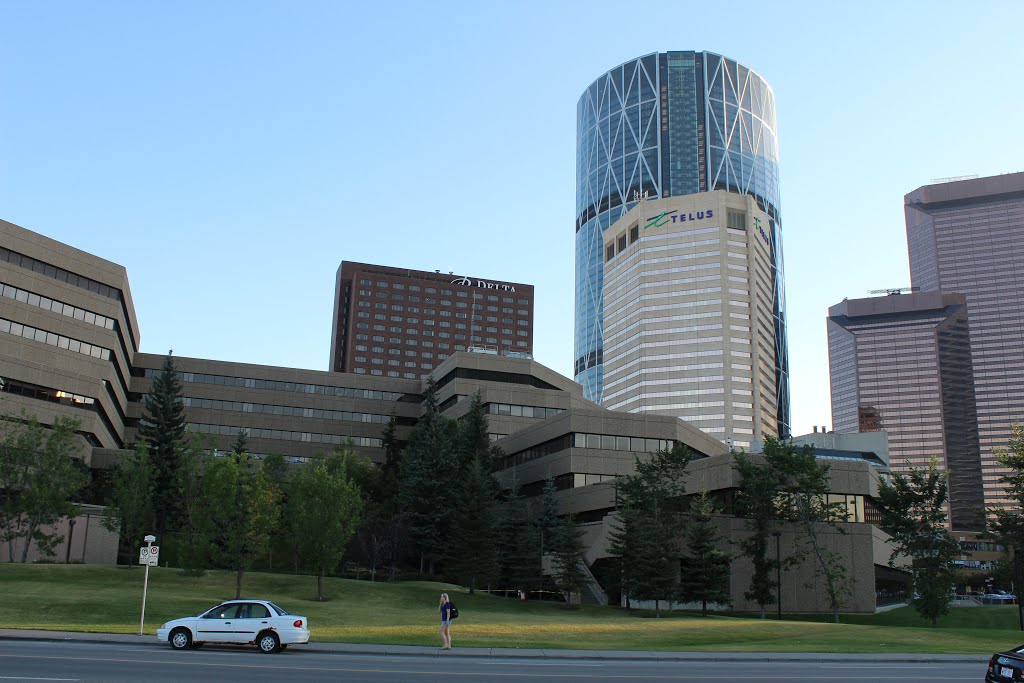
(230, 155)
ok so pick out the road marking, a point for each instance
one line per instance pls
(477, 674)
(26, 678)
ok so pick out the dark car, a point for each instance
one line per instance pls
(1006, 666)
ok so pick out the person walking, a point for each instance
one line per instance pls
(446, 622)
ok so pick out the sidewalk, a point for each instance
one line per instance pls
(412, 650)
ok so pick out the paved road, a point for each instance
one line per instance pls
(25, 660)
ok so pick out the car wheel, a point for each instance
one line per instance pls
(181, 639)
(268, 642)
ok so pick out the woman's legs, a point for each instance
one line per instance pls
(446, 638)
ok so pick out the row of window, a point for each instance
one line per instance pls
(46, 394)
(391, 373)
(444, 292)
(274, 385)
(521, 411)
(47, 304)
(291, 411)
(59, 274)
(283, 434)
(58, 340)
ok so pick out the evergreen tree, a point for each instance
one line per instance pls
(241, 444)
(474, 437)
(547, 521)
(276, 472)
(624, 548)
(163, 429)
(475, 553)
(129, 512)
(913, 509)
(650, 504)
(569, 559)
(517, 549)
(705, 575)
(426, 485)
(194, 547)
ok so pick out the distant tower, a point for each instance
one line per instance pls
(965, 236)
(902, 364)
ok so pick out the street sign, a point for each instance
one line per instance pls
(149, 555)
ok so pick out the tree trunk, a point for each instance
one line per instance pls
(835, 613)
(762, 612)
(704, 607)
(28, 543)
(238, 583)
(320, 586)
(657, 608)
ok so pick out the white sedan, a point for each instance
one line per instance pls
(241, 622)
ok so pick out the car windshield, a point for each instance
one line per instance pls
(280, 610)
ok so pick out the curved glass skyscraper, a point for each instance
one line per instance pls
(666, 125)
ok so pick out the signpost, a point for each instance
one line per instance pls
(149, 556)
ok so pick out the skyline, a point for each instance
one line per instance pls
(198, 147)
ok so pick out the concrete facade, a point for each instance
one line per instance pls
(688, 320)
(541, 420)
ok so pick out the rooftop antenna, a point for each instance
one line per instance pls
(896, 291)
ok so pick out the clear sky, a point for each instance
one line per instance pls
(231, 154)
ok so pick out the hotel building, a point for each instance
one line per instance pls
(395, 322)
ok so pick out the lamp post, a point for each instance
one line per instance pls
(778, 572)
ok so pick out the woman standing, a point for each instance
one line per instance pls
(446, 622)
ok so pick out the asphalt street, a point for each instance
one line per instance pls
(30, 660)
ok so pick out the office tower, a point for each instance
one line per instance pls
(964, 236)
(902, 364)
(396, 322)
(688, 318)
(669, 125)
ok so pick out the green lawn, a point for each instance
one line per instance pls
(107, 599)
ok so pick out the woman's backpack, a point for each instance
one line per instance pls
(453, 611)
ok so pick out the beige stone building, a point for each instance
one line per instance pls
(688, 323)
(69, 345)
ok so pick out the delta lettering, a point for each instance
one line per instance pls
(467, 282)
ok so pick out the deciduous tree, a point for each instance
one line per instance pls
(324, 507)
(913, 510)
(129, 512)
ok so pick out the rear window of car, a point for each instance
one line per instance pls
(280, 610)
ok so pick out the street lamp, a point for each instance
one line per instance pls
(778, 572)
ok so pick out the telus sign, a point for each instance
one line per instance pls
(674, 216)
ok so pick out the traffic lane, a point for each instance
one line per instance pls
(106, 662)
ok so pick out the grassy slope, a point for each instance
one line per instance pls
(90, 598)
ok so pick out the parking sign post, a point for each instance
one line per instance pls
(149, 556)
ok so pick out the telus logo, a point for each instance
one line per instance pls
(674, 216)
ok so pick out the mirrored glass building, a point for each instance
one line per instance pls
(667, 125)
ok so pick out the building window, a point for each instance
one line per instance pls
(634, 234)
(736, 220)
(622, 242)
(609, 252)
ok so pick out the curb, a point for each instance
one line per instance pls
(551, 654)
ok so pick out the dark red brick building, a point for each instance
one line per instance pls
(396, 322)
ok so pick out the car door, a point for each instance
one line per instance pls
(252, 618)
(218, 625)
